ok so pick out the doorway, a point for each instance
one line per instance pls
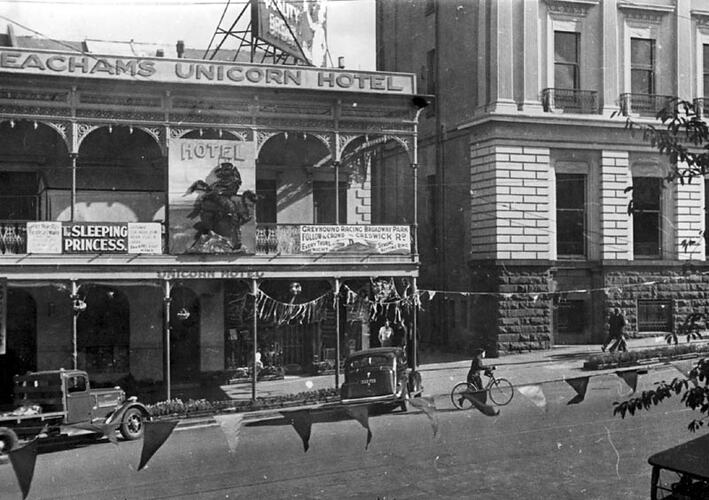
(184, 335)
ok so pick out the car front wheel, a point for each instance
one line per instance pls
(132, 424)
(8, 440)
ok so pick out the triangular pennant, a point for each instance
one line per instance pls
(361, 415)
(579, 384)
(156, 433)
(477, 399)
(685, 367)
(230, 425)
(427, 405)
(23, 461)
(302, 422)
(106, 430)
(630, 377)
(535, 394)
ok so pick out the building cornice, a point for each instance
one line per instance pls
(645, 12)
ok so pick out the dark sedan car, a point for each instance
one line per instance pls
(380, 375)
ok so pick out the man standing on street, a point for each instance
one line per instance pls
(616, 324)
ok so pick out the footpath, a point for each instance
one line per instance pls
(439, 373)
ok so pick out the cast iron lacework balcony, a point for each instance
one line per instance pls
(643, 104)
(570, 100)
(13, 237)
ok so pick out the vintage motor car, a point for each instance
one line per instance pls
(380, 375)
(48, 402)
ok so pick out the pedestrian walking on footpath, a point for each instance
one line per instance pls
(616, 333)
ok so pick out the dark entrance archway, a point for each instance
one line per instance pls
(103, 333)
(21, 352)
(184, 335)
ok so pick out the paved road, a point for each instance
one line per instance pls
(560, 452)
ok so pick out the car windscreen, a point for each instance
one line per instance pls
(369, 361)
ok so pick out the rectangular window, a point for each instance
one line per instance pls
(18, 195)
(647, 216)
(642, 66)
(266, 205)
(566, 60)
(705, 69)
(571, 214)
(654, 316)
(571, 317)
(324, 202)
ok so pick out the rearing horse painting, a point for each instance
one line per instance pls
(221, 212)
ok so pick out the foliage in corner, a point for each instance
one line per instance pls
(694, 391)
(683, 136)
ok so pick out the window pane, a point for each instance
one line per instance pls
(641, 52)
(565, 47)
(570, 232)
(705, 53)
(571, 316)
(570, 191)
(266, 205)
(646, 234)
(565, 76)
(646, 193)
(654, 316)
(641, 81)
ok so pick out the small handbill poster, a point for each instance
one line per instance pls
(355, 239)
(44, 237)
(145, 238)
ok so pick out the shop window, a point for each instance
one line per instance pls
(266, 205)
(566, 60)
(324, 202)
(654, 316)
(571, 315)
(642, 66)
(18, 195)
(571, 214)
(646, 216)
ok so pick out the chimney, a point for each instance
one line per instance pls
(341, 62)
(160, 53)
(180, 49)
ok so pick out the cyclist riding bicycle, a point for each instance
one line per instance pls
(476, 366)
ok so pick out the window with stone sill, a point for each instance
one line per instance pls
(642, 66)
(647, 213)
(654, 315)
(571, 215)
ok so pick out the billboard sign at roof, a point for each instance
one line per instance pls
(297, 27)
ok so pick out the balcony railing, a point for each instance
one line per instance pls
(13, 237)
(570, 100)
(644, 104)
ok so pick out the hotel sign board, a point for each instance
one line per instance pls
(237, 74)
(47, 237)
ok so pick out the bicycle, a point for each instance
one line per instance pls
(500, 390)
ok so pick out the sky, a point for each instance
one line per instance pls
(350, 23)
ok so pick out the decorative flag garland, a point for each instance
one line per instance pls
(23, 459)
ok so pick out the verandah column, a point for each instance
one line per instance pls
(337, 333)
(254, 292)
(167, 299)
